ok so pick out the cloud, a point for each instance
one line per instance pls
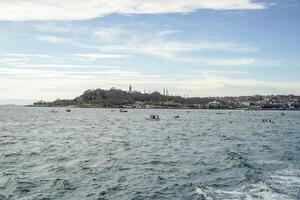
(171, 49)
(54, 39)
(51, 27)
(217, 61)
(222, 62)
(109, 34)
(38, 60)
(234, 62)
(18, 58)
(161, 47)
(66, 66)
(20, 10)
(21, 55)
(167, 46)
(96, 56)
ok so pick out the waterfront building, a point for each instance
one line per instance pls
(214, 105)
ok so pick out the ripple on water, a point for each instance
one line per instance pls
(99, 154)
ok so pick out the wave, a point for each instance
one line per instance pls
(252, 191)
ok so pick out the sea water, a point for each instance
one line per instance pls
(105, 154)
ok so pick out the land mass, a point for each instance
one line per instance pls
(116, 98)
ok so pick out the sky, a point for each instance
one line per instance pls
(53, 49)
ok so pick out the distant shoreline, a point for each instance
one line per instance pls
(115, 98)
(229, 109)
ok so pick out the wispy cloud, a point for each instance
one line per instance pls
(18, 58)
(21, 55)
(108, 33)
(159, 46)
(20, 10)
(234, 62)
(166, 46)
(55, 39)
(51, 27)
(171, 49)
(96, 56)
(230, 62)
(64, 66)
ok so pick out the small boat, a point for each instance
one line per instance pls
(153, 118)
(282, 114)
(176, 116)
(268, 120)
(54, 111)
(68, 110)
(123, 110)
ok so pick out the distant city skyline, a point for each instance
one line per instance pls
(58, 49)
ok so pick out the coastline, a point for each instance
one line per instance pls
(229, 109)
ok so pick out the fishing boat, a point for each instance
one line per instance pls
(153, 118)
(123, 110)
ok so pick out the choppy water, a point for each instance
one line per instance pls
(99, 154)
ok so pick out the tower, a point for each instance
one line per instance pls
(130, 88)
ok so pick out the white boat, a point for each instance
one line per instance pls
(123, 110)
(153, 118)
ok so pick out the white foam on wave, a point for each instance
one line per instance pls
(262, 191)
(248, 192)
(286, 179)
(268, 162)
(203, 194)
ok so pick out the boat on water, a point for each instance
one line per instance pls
(268, 120)
(54, 111)
(153, 118)
(176, 116)
(220, 113)
(123, 110)
(282, 114)
(68, 110)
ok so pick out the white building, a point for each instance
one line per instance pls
(214, 105)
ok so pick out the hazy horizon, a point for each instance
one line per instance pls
(55, 49)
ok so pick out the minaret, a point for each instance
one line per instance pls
(130, 89)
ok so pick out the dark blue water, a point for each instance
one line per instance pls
(99, 154)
